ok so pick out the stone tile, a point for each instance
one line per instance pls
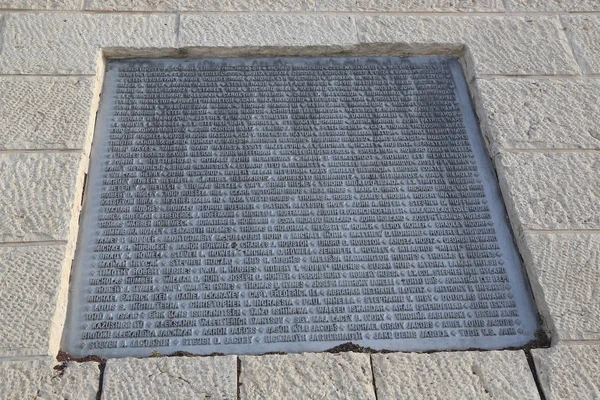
(39, 195)
(569, 372)
(410, 5)
(552, 5)
(539, 113)
(33, 288)
(40, 4)
(266, 30)
(69, 43)
(200, 5)
(456, 375)
(551, 190)
(584, 32)
(498, 45)
(37, 379)
(564, 271)
(45, 112)
(171, 378)
(306, 376)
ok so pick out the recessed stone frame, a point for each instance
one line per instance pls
(519, 70)
(78, 167)
(365, 50)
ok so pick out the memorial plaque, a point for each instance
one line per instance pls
(292, 204)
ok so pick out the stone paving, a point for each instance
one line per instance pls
(534, 72)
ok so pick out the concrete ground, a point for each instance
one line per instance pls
(534, 72)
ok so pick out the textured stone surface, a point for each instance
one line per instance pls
(68, 43)
(498, 45)
(37, 379)
(265, 30)
(201, 5)
(33, 289)
(171, 378)
(551, 190)
(306, 376)
(456, 375)
(45, 112)
(569, 372)
(40, 4)
(39, 195)
(540, 113)
(567, 269)
(552, 5)
(584, 32)
(410, 5)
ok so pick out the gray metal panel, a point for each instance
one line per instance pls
(292, 204)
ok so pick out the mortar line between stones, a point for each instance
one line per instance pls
(579, 61)
(238, 375)
(511, 150)
(564, 231)
(549, 77)
(417, 13)
(25, 358)
(83, 3)
(3, 19)
(45, 151)
(102, 367)
(373, 375)
(579, 342)
(46, 76)
(177, 29)
(533, 370)
(35, 243)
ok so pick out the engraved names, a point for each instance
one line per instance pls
(267, 202)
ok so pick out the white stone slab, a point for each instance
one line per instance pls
(33, 288)
(37, 379)
(410, 5)
(569, 372)
(551, 190)
(498, 45)
(201, 5)
(223, 30)
(564, 270)
(69, 43)
(39, 195)
(171, 378)
(40, 4)
(534, 113)
(460, 375)
(306, 376)
(45, 112)
(584, 32)
(552, 5)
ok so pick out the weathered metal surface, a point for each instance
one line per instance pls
(292, 204)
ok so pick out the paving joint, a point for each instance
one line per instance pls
(238, 363)
(102, 368)
(373, 375)
(461, 14)
(533, 371)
